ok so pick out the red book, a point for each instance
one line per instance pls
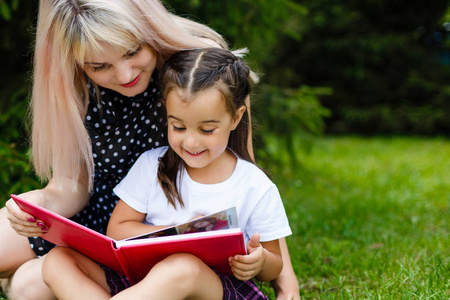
(134, 257)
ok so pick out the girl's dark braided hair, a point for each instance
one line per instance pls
(193, 71)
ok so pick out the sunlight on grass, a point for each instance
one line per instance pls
(370, 218)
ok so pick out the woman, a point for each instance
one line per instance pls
(92, 118)
(206, 168)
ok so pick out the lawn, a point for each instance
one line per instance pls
(370, 218)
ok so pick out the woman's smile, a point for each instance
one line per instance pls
(132, 83)
(113, 68)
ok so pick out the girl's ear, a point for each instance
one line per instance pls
(238, 116)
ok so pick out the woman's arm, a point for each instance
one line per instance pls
(61, 199)
(286, 285)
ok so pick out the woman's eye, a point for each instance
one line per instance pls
(98, 68)
(133, 53)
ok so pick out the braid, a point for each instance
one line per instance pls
(194, 71)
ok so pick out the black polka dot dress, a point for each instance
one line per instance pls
(121, 128)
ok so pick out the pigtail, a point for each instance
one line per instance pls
(169, 166)
(191, 72)
(237, 77)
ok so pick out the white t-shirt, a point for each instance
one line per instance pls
(256, 198)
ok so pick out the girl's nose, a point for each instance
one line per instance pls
(190, 141)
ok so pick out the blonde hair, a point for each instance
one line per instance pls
(67, 31)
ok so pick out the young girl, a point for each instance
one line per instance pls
(207, 168)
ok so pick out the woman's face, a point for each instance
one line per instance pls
(127, 73)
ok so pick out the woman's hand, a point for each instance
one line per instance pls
(60, 198)
(24, 223)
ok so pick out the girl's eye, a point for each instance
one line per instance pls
(133, 53)
(178, 128)
(205, 131)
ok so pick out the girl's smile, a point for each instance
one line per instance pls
(195, 154)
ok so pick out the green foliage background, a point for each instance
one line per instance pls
(386, 61)
(16, 19)
(377, 67)
(374, 67)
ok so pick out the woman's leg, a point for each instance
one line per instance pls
(71, 275)
(20, 270)
(179, 276)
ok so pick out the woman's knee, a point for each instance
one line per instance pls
(27, 282)
(15, 250)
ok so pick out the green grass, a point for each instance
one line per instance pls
(370, 218)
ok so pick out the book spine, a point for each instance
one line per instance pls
(128, 269)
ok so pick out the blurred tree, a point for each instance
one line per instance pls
(385, 61)
(257, 25)
(16, 18)
(6, 8)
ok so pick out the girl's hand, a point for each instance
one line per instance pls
(22, 222)
(245, 267)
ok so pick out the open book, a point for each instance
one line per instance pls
(212, 238)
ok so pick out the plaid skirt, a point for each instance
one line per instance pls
(116, 282)
(233, 289)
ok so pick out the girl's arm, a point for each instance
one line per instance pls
(263, 260)
(126, 222)
(273, 263)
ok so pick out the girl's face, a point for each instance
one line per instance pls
(127, 73)
(199, 129)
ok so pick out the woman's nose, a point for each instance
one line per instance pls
(124, 72)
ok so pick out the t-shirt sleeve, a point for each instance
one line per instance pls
(269, 217)
(136, 187)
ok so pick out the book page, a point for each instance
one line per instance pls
(221, 220)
